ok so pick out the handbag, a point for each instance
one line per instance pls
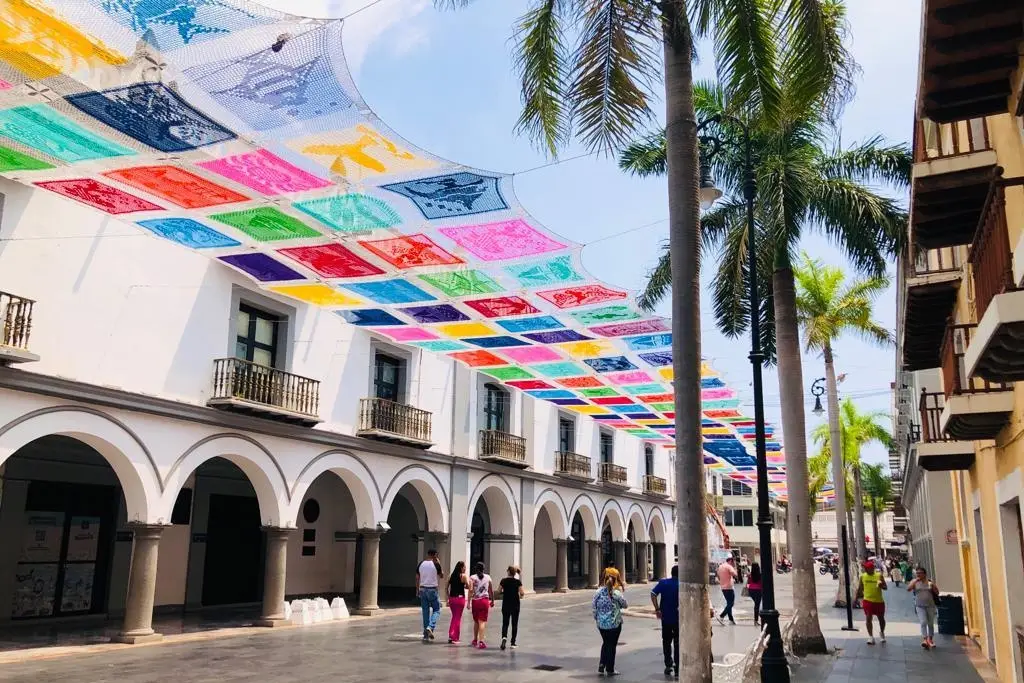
(745, 591)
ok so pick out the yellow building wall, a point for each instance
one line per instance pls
(993, 462)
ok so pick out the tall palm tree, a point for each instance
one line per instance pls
(878, 489)
(803, 185)
(599, 91)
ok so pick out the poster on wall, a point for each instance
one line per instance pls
(41, 537)
(76, 595)
(35, 586)
(83, 539)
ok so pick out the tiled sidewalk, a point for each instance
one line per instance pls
(955, 660)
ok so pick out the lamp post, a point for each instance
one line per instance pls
(817, 391)
(774, 667)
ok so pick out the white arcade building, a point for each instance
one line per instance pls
(131, 481)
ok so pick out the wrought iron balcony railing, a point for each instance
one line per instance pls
(502, 447)
(16, 317)
(392, 421)
(655, 485)
(612, 474)
(251, 387)
(568, 464)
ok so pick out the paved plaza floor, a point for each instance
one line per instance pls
(558, 642)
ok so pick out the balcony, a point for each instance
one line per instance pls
(245, 387)
(503, 448)
(655, 486)
(970, 49)
(995, 351)
(975, 408)
(573, 466)
(394, 422)
(612, 475)
(933, 279)
(937, 452)
(16, 314)
(953, 169)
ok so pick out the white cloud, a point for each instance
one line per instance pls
(388, 18)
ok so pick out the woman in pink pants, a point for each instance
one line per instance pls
(457, 584)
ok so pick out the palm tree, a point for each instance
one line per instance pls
(827, 308)
(856, 430)
(599, 92)
(878, 489)
(802, 185)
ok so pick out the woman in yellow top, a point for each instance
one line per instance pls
(872, 584)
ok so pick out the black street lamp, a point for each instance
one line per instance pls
(774, 667)
(817, 391)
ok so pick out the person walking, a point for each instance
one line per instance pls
(483, 600)
(726, 578)
(607, 606)
(925, 594)
(754, 589)
(428, 575)
(511, 594)
(872, 584)
(457, 584)
(907, 573)
(667, 612)
(896, 574)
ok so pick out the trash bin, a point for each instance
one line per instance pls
(951, 615)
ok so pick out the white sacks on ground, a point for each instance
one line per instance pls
(338, 609)
(287, 611)
(300, 613)
(315, 611)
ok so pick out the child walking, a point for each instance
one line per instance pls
(483, 600)
(511, 593)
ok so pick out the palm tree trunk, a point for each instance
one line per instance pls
(858, 514)
(838, 471)
(874, 526)
(806, 632)
(684, 252)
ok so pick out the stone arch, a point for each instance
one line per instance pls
(587, 509)
(119, 446)
(502, 508)
(637, 518)
(256, 463)
(551, 503)
(656, 526)
(357, 477)
(612, 515)
(430, 490)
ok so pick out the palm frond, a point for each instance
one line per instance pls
(613, 67)
(871, 161)
(818, 69)
(659, 283)
(647, 157)
(541, 60)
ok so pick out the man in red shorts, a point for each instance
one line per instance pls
(872, 584)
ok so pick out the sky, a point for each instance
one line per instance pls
(445, 82)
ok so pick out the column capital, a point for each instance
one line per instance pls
(437, 535)
(562, 541)
(279, 532)
(594, 544)
(146, 531)
(657, 544)
(370, 533)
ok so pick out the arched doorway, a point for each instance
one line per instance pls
(544, 551)
(324, 554)
(577, 556)
(402, 547)
(60, 512)
(494, 526)
(631, 553)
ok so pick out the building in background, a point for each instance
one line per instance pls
(961, 317)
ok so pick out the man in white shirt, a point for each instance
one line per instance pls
(726, 576)
(428, 576)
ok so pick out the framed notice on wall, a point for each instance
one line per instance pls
(83, 539)
(76, 594)
(41, 537)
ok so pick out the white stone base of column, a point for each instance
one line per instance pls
(137, 638)
(559, 590)
(272, 622)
